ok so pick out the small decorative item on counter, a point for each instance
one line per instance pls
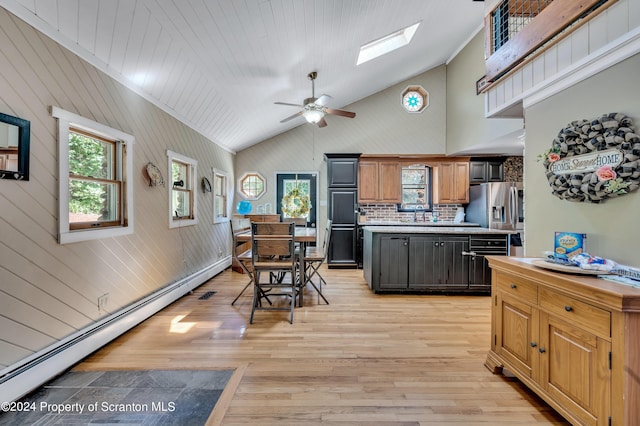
(434, 216)
(568, 244)
(593, 263)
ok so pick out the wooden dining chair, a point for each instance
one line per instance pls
(314, 258)
(273, 252)
(241, 254)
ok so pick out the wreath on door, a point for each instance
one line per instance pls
(295, 203)
(592, 160)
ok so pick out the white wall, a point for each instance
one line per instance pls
(468, 131)
(49, 291)
(381, 126)
(611, 226)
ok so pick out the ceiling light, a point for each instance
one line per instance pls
(313, 115)
(386, 44)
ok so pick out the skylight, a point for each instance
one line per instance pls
(386, 44)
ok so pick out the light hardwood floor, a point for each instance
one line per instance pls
(364, 359)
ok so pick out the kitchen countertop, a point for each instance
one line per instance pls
(435, 230)
(408, 223)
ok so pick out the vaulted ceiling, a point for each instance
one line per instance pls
(219, 65)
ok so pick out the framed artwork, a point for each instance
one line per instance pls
(480, 84)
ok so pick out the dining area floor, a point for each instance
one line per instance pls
(363, 359)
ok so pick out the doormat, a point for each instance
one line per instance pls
(150, 397)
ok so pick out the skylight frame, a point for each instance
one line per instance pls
(387, 43)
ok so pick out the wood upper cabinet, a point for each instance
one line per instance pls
(452, 183)
(561, 341)
(379, 181)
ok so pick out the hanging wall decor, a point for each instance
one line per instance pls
(592, 160)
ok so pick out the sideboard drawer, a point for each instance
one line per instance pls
(518, 287)
(583, 315)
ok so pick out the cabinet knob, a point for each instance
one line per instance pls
(513, 286)
(568, 308)
(533, 344)
(542, 350)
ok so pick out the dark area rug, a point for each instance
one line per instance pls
(153, 397)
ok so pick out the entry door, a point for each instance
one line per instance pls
(306, 184)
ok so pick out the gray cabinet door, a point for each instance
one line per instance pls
(394, 262)
(438, 262)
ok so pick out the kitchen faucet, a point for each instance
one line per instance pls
(415, 213)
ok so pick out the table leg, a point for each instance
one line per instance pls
(303, 274)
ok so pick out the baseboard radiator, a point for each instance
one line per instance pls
(41, 367)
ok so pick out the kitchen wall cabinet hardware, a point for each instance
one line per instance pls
(452, 183)
(486, 171)
(379, 181)
(342, 206)
(571, 339)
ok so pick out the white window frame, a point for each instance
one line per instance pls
(193, 172)
(225, 176)
(248, 196)
(125, 142)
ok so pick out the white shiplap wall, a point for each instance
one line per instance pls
(571, 59)
(49, 291)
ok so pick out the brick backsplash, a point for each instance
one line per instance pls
(446, 212)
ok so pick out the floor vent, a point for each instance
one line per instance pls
(207, 295)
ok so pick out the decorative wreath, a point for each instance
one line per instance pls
(296, 204)
(591, 160)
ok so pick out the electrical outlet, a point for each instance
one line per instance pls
(219, 251)
(102, 302)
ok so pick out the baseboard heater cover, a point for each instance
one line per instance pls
(53, 360)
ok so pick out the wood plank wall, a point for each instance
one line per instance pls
(47, 290)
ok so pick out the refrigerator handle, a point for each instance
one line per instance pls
(513, 204)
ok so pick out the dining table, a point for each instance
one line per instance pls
(303, 236)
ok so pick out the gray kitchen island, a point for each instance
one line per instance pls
(431, 259)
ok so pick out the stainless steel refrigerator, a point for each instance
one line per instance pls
(496, 205)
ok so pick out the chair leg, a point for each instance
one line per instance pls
(314, 272)
(256, 295)
(242, 292)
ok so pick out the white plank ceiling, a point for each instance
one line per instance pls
(219, 65)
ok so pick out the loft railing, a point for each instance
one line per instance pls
(515, 29)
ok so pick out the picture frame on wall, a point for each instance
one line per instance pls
(480, 84)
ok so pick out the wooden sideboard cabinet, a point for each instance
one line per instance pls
(572, 339)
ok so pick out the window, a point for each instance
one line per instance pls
(183, 172)
(96, 200)
(416, 188)
(251, 185)
(220, 208)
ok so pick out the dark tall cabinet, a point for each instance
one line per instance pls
(342, 194)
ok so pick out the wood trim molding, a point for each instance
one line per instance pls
(552, 20)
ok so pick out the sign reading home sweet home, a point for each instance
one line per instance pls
(591, 160)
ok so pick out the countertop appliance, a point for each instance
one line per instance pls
(496, 205)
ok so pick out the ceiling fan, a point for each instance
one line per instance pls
(314, 109)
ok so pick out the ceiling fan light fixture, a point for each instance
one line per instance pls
(313, 115)
(386, 44)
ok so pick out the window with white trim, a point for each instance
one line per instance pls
(220, 197)
(182, 194)
(251, 185)
(94, 161)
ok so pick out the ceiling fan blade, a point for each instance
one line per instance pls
(288, 104)
(322, 100)
(291, 117)
(340, 112)
(322, 122)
